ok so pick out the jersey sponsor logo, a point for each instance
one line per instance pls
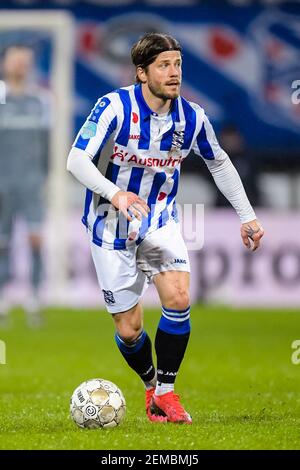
(108, 297)
(118, 154)
(145, 161)
(89, 130)
(158, 162)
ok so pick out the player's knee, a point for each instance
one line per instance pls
(129, 333)
(179, 301)
(129, 324)
(129, 330)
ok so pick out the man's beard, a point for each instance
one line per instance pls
(156, 91)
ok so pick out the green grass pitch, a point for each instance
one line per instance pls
(237, 381)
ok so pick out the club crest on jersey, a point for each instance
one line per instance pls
(89, 130)
(177, 140)
(108, 297)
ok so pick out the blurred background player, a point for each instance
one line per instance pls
(23, 159)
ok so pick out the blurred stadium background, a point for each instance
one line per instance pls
(240, 61)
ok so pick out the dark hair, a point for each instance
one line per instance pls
(145, 51)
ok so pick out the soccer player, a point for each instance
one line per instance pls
(24, 130)
(128, 154)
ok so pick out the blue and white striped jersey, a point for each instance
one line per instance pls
(140, 152)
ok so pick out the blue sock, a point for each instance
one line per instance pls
(171, 342)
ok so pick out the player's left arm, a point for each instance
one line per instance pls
(251, 233)
(229, 183)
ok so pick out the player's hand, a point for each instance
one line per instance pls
(126, 201)
(251, 233)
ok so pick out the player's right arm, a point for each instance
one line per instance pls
(91, 138)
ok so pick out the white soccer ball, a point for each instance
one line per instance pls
(97, 403)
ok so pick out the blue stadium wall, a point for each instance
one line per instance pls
(239, 63)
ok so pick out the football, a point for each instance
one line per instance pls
(97, 403)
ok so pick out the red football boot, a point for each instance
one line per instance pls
(170, 405)
(159, 417)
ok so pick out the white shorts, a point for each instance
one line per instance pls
(124, 275)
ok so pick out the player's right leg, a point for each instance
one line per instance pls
(135, 346)
(123, 285)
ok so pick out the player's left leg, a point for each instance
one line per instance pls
(171, 341)
(163, 257)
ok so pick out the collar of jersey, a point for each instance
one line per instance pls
(146, 112)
